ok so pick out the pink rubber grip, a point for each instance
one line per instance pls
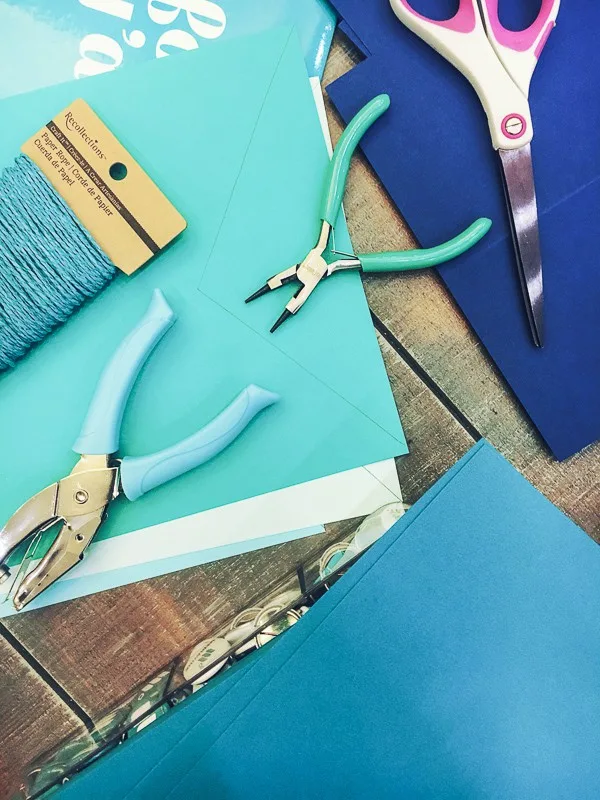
(464, 21)
(521, 41)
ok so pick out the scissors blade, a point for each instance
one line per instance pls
(519, 188)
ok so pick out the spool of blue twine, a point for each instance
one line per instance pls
(49, 264)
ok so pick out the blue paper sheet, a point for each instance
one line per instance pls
(157, 756)
(242, 156)
(433, 153)
(353, 36)
(458, 658)
(43, 42)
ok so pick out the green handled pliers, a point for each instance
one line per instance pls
(321, 262)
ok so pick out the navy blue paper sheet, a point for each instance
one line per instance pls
(433, 153)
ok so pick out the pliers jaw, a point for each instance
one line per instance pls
(79, 501)
(309, 274)
(287, 276)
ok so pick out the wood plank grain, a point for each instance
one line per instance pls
(435, 439)
(420, 313)
(32, 719)
(101, 647)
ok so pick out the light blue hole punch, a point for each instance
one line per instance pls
(80, 500)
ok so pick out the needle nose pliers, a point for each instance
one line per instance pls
(322, 261)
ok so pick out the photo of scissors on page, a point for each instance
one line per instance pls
(499, 64)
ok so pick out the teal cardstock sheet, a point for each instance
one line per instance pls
(44, 42)
(241, 155)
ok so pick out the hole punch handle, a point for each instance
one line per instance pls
(140, 475)
(102, 427)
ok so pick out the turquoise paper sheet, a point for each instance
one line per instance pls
(232, 137)
(44, 42)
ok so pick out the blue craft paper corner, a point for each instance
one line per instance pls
(441, 171)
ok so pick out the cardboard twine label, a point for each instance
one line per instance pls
(114, 199)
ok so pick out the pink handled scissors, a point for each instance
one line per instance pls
(499, 64)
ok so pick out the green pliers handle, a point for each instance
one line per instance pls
(403, 261)
(339, 165)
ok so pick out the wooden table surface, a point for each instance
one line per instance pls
(62, 667)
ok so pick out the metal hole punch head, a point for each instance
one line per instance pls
(61, 504)
(80, 501)
(323, 260)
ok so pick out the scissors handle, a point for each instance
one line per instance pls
(463, 41)
(405, 260)
(339, 165)
(519, 51)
